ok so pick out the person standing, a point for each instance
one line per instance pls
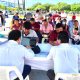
(1, 19)
(16, 16)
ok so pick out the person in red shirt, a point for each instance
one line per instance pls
(16, 25)
(54, 34)
(36, 27)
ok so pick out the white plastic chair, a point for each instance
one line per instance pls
(66, 76)
(5, 72)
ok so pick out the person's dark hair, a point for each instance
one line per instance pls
(24, 19)
(27, 25)
(64, 37)
(32, 19)
(1, 12)
(58, 25)
(75, 20)
(64, 20)
(14, 35)
(50, 14)
(16, 19)
(37, 11)
(45, 20)
(17, 13)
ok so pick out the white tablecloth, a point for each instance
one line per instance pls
(40, 63)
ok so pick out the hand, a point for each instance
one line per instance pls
(29, 47)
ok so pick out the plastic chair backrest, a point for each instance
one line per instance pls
(5, 70)
(66, 76)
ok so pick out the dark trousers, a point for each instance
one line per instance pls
(39, 36)
(75, 42)
(26, 71)
(51, 74)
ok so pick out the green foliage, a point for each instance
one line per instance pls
(54, 7)
(66, 7)
(59, 6)
(8, 8)
(47, 6)
(2, 7)
(75, 7)
(34, 6)
(40, 7)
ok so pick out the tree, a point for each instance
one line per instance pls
(2, 7)
(47, 6)
(60, 5)
(67, 8)
(54, 7)
(40, 7)
(75, 7)
(34, 6)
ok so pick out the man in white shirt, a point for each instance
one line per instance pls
(14, 54)
(63, 15)
(65, 57)
(27, 30)
(31, 34)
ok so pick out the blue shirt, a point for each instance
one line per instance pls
(15, 17)
(71, 26)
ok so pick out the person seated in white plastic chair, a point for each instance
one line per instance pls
(65, 57)
(14, 54)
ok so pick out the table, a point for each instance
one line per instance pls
(39, 66)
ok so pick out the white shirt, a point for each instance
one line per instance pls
(32, 33)
(63, 15)
(13, 54)
(65, 58)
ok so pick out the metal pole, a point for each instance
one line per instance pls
(18, 6)
(24, 5)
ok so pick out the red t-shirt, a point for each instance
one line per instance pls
(36, 26)
(55, 16)
(53, 36)
(15, 27)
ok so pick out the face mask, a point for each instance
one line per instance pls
(63, 23)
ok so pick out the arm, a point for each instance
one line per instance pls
(28, 53)
(35, 35)
(51, 54)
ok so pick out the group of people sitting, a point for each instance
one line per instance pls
(64, 55)
(48, 28)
